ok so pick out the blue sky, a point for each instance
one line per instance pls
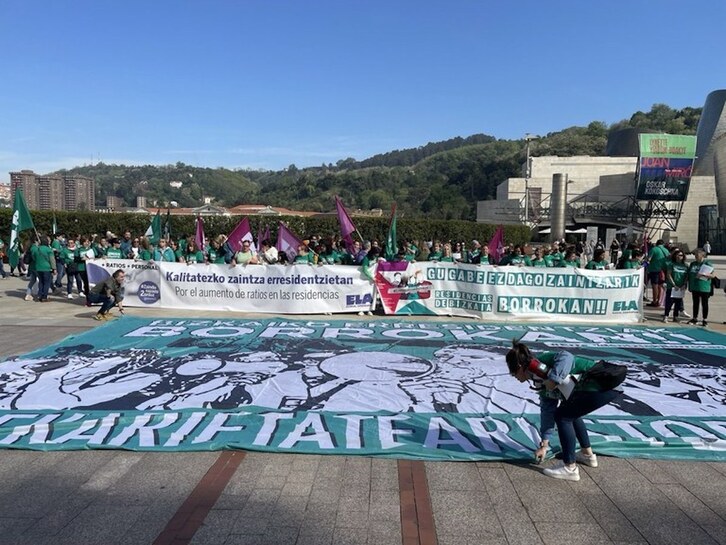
(263, 84)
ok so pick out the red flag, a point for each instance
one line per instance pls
(199, 235)
(346, 225)
(496, 245)
(287, 242)
(239, 233)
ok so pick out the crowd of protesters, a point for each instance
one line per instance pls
(58, 266)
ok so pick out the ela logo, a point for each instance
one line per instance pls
(625, 306)
(358, 300)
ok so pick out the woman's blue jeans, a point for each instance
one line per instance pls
(568, 417)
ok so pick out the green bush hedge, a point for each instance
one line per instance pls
(89, 223)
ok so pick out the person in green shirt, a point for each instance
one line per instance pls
(635, 259)
(549, 258)
(193, 253)
(327, 254)
(84, 253)
(162, 252)
(44, 262)
(114, 251)
(178, 252)
(58, 243)
(31, 273)
(700, 276)
(571, 259)
(676, 278)
(518, 259)
(657, 258)
(69, 261)
(598, 261)
(537, 260)
(304, 255)
(436, 252)
(447, 255)
(550, 370)
(215, 253)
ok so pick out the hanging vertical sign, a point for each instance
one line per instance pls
(665, 166)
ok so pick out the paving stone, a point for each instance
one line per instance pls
(216, 527)
(350, 536)
(452, 476)
(458, 509)
(558, 533)
(690, 504)
(463, 539)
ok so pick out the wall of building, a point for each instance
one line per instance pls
(602, 179)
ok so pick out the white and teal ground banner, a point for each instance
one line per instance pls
(414, 389)
(511, 293)
(273, 289)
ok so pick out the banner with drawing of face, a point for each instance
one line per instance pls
(426, 390)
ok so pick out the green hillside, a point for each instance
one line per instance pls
(439, 180)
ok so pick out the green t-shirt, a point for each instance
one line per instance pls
(194, 257)
(215, 256)
(519, 261)
(679, 273)
(43, 258)
(657, 258)
(114, 253)
(597, 265)
(579, 366)
(696, 283)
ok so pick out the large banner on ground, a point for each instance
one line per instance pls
(665, 168)
(500, 293)
(275, 289)
(384, 388)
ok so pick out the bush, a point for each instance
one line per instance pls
(89, 223)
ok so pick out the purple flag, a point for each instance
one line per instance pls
(240, 233)
(263, 235)
(346, 225)
(199, 235)
(496, 245)
(287, 242)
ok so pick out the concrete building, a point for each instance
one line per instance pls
(54, 192)
(113, 202)
(601, 191)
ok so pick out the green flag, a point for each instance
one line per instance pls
(167, 225)
(391, 241)
(20, 222)
(154, 231)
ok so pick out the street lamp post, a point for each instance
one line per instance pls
(527, 173)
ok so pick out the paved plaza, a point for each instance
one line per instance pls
(234, 497)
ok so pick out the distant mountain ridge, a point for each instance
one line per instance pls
(439, 180)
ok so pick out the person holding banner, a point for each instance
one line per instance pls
(109, 293)
(563, 401)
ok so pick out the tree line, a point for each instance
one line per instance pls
(439, 180)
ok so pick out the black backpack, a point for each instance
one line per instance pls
(28, 257)
(606, 375)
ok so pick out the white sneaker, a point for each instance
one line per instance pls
(685, 314)
(584, 459)
(28, 297)
(70, 296)
(665, 319)
(561, 471)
